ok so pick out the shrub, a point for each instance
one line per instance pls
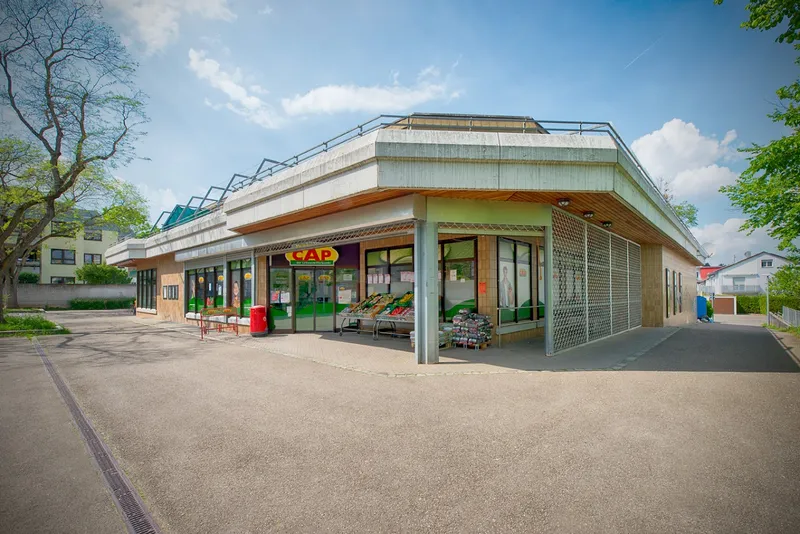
(777, 302)
(100, 304)
(748, 304)
(95, 274)
(28, 278)
(710, 309)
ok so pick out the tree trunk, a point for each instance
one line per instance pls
(13, 298)
(3, 297)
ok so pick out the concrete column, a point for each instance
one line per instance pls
(426, 296)
(548, 291)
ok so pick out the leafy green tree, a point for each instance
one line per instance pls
(66, 81)
(685, 210)
(768, 192)
(786, 280)
(102, 274)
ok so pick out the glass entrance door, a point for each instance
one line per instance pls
(314, 300)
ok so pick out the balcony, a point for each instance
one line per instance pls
(738, 289)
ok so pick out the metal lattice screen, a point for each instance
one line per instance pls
(348, 236)
(569, 291)
(635, 283)
(599, 283)
(619, 284)
(596, 283)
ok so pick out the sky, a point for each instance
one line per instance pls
(233, 81)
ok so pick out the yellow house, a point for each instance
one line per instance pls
(61, 256)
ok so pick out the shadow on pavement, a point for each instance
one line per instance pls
(718, 348)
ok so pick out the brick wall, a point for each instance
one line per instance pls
(656, 258)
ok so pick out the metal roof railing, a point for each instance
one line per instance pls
(216, 195)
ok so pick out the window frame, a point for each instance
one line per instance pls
(91, 260)
(680, 292)
(147, 289)
(62, 260)
(766, 264)
(215, 271)
(666, 279)
(241, 270)
(67, 280)
(534, 286)
(674, 293)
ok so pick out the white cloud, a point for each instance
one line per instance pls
(157, 22)
(240, 99)
(377, 99)
(266, 10)
(158, 199)
(686, 159)
(724, 240)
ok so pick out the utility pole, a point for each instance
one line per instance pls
(768, 300)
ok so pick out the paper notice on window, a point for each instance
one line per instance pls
(345, 296)
(288, 311)
(347, 277)
(387, 278)
(453, 275)
(406, 276)
(370, 278)
(286, 297)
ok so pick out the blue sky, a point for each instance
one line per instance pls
(231, 82)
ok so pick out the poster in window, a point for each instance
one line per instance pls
(506, 296)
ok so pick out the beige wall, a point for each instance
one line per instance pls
(655, 259)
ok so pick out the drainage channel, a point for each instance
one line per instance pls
(137, 518)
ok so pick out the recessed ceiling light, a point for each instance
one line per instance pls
(563, 202)
(588, 214)
(606, 224)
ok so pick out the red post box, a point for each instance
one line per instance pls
(258, 321)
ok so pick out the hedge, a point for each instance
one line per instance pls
(748, 304)
(777, 302)
(100, 304)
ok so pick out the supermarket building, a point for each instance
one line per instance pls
(552, 229)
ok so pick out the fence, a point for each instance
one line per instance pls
(59, 295)
(791, 317)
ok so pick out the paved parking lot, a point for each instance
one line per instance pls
(699, 434)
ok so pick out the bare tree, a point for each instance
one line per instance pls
(68, 83)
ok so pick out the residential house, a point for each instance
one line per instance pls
(746, 277)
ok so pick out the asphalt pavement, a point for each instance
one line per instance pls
(694, 436)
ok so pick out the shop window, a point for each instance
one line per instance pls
(205, 288)
(62, 279)
(515, 285)
(60, 256)
(280, 298)
(666, 281)
(240, 286)
(95, 259)
(459, 275)
(146, 289)
(346, 287)
(392, 271)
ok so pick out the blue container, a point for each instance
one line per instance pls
(702, 307)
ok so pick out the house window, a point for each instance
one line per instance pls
(62, 279)
(766, 263)
(60, 256)
(92, 235)
(204, 288)
(515, 285)
(146, 289)
(96, 259)
(169, 292)
(666, 281)
(739, 283)
(240, 286)
(680, 292)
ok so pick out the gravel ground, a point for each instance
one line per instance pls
(697, 435)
